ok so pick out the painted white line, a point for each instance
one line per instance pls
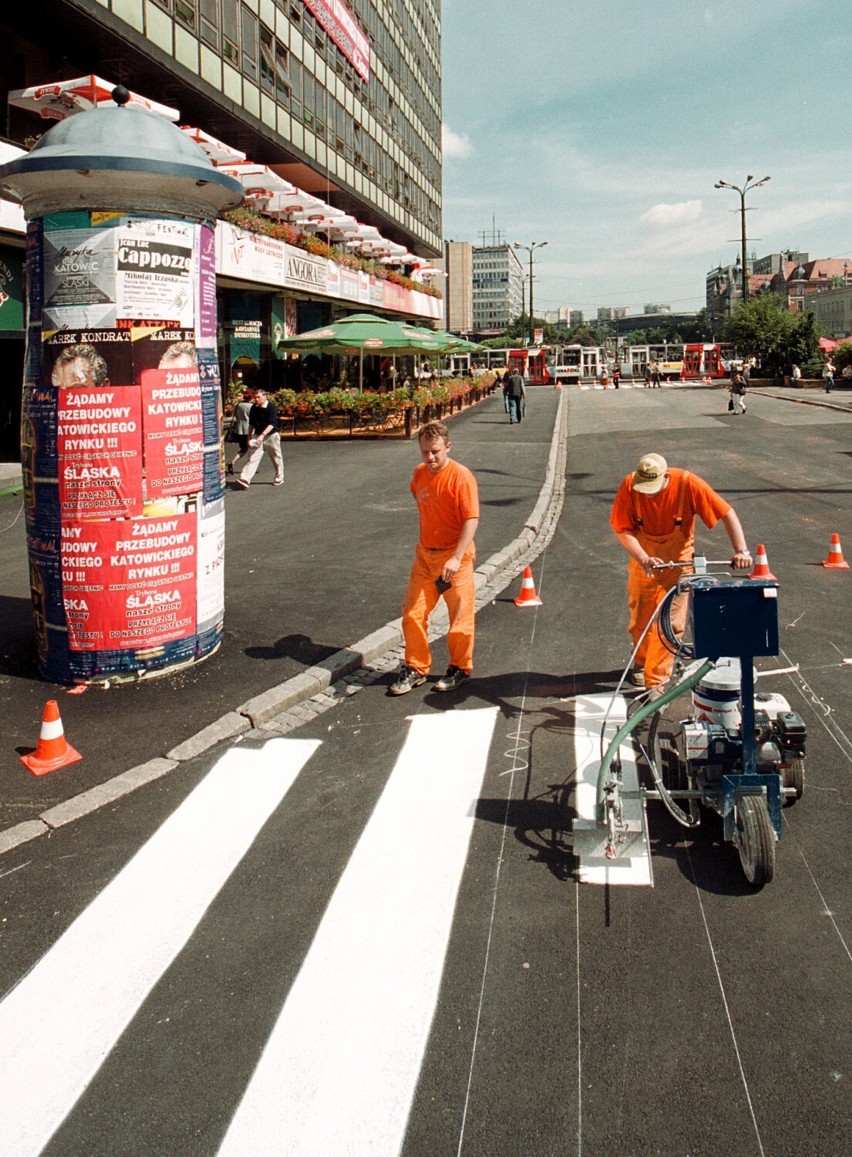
(633, 863)
(339, 1071)
(59, 1024)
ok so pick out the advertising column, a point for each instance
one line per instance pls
(121, 406)
(123, 481)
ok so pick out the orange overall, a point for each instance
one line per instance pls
(445, 501)
(421, 599)
(664, 525)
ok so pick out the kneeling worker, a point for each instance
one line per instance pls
(448, 501)
(653, 516)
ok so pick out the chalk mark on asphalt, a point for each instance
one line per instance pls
(721, 983)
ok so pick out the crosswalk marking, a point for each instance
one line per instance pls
(339, 1071)
(58, 1025)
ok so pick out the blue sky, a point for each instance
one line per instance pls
(602, 128)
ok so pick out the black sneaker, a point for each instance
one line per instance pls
(407, 679)
(453, 679)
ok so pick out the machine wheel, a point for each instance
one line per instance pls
(794, 776)
(755, 840)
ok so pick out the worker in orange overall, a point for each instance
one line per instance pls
(653, 517)
(448, 501)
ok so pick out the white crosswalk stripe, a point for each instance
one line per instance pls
(339, 1072)
(58, 1025)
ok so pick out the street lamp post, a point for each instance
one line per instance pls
(524, 281)
(531, 249)
(750, 183)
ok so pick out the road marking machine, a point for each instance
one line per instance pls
(712, 741)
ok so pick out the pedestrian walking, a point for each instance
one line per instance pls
(263, 439)
(238, 431)
(653, 517)
(504, 381)
(738, 392)
(828, 375)
(656, 374)
(447, 500)
(616, 376)
(797, 374)
(515, 394)
(646, 373)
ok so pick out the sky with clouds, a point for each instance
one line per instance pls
(602, 128)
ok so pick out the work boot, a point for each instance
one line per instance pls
(406, 680)
(453, 679)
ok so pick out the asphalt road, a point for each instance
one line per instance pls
(394, 955)
(310, 568)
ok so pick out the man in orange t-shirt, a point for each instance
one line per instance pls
(448, 501)
(653, 517)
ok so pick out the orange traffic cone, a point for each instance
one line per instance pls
(835, 555)
(53, 750)
(528, 597)
(761, 564)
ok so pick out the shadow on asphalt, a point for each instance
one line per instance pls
(299, 647)
(17, 645)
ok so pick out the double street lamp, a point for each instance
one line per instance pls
(750, 183)
(531, 249)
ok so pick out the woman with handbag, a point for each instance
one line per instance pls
(238, 431)
(738, 392)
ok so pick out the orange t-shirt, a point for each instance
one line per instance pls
(446, 500)
(657, 514)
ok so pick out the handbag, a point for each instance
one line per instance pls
(730, 403)
(232, 435)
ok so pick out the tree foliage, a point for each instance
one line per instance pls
(765, 328)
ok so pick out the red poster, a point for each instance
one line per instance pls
(130, 583)
(99, 445)
(174, 432)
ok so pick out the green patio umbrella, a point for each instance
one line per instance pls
(360, 334)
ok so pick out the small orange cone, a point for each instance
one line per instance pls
(761, 564)
(53, 750)
(528, 597)
(835, 555)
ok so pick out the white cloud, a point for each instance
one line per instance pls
(671, 216)
(455, 147)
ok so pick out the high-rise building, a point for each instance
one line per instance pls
(497, 288)
(457, 266)
(341, 100)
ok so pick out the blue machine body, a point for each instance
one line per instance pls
(736, 617)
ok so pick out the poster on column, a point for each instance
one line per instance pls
(79, 273)
(205, 310)
(174, 432)
(130, 583)
(99, 446)
(155, 268)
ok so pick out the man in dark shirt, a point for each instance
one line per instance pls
(515, 393)
(263, 436)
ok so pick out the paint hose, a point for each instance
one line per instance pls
(640, 716)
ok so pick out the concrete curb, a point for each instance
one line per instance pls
(292, 692)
